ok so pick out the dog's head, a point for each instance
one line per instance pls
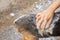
(28, 23)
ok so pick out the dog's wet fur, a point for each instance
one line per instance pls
(27, 26)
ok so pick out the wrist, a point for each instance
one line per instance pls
(54, 6)
(58, 1)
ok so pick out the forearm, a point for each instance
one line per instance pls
(54, 6)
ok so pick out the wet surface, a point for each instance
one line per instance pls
(12, 9)
(11, 33)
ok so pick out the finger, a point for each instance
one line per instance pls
(48, 24)
(38, 17)
(39, 24)
(44, 25)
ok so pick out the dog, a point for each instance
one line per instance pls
(27, 26)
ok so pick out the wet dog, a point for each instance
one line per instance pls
(27, 26)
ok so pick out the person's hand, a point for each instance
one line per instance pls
(44, 19)
(58, 1)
